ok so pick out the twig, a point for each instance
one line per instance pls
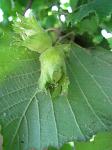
(29, 4)
(64, 36)
(52, 29)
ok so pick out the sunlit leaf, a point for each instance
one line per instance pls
(102, 141)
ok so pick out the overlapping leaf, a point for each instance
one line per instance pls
(102, 8)
(102, 141)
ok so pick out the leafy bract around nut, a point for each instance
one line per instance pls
(53, 70)
(31, 35)
(53, 75)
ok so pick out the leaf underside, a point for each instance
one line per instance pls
(31, 119)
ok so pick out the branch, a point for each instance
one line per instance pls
(29, 4)
(64, 36)
(52, 29)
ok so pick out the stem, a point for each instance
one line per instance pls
(52, 30)
(64, 36)
(58, 31)
(29, 4)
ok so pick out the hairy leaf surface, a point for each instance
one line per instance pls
(31, 119)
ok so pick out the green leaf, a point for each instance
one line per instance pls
(31, 119)
(40, 5)
(101, 7)
(1, 141)
(89, 25)
(109, 40)
(68, 146)
(102, 141)
(73, 3)
(3, 4)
